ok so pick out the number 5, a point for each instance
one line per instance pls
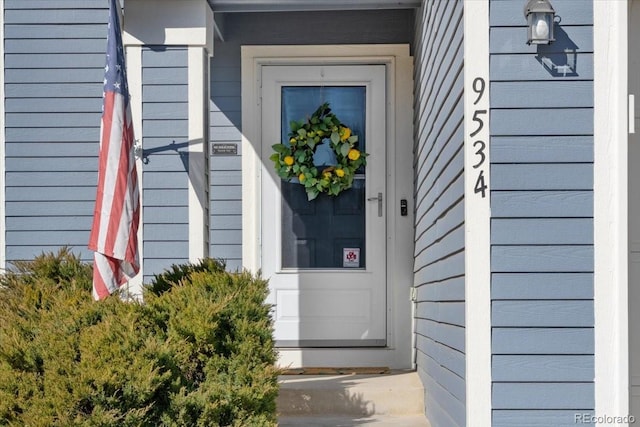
(476, 118)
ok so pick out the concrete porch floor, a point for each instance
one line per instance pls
(393, 399)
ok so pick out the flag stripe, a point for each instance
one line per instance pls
(120, 174)
(117, 211)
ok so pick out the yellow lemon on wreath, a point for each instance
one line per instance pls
(301, 177)
(340, 173)
(293, 141)
(345, 133)
(288, 160)
(326, 174)
(354, 154)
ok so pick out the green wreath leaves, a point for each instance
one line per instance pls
(294, 159)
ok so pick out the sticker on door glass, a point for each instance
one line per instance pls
(351, 257)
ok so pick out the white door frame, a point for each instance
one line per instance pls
(398, 353)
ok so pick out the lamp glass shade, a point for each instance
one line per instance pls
(540, 19)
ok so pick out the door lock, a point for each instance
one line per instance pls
(404, 210)
(379, 199)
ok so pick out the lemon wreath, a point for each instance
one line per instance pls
(295, 159)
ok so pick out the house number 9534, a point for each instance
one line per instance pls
(478, 135)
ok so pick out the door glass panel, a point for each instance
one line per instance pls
(328, 232)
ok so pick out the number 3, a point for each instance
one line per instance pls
(480, 153)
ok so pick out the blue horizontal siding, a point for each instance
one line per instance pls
(542, 149)
(542, 176)
(575, 396)
(47, 120)
(49, 194)
(52, 223)
(54, 134)
(37, 46)
(510, 40)
(449, 358)
(16, 252)
(541, 94)
(53, 60)
(514, 67)
(165, 197)
(55, 31)
(448, 380)
(38, 209)
(451, 289)
(165, 173)
(56, 164)
(439, 211)
(48, 238)
(549, 341)
(542, 204)
(50, 179)
(542, 286)
(542, 121)
(540, 418)
(543, 368)
(53, 4)
(541, 231)
(44, 105)
(55, 76)
(540, 314)
(509, 13)
(55, 16)
(542, 256)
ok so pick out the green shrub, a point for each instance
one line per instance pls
(198, 352)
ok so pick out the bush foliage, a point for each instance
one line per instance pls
(198, 352)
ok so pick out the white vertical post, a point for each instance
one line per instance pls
(198, 182)
(477, 214)
(134, 77)
(611, 209)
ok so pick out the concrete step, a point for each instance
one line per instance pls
(357, 397)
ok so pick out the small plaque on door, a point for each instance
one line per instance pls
(351, 257)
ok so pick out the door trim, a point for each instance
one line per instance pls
(399, 148)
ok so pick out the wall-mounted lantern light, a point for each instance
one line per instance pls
(540, 18)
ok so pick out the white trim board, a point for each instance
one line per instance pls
(477, 217)
(134, 77)
(198, 100)
(399, 64)
(610, 209)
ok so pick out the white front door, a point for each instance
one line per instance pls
(325, 258)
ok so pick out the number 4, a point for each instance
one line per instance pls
(480, 187)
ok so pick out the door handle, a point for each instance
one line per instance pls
(379, 199)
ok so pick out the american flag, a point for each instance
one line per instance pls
(117, 211)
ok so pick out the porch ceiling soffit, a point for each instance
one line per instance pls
(308, 5)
